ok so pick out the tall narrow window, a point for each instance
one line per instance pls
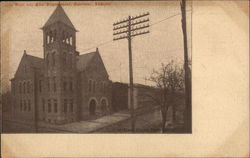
(64, 85)
(40, 86)
(24, 89)
(48, 84)
(28, 87)
(43, 104)
(55, 105)
(71, 85)
(94, 82)
(21, 105)
(53, 59)
(24, 104)
(20, 87)
(29, 106)
(49, 106)
(55, 35)
(54, 83)
(70, 60)
(13, 88)
(71, 105)
(104, 87)
(64, 58)
(47, 59)
(65, 105)
(47, 39)
(70, 40)
(90, 85)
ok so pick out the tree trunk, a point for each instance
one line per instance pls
(173, 114)
(164, 119)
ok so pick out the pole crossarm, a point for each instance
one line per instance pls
(117, 33)
(139, 22)
(134, 29)
(141, 27)
(123, 26)
(141, 33)
(139, 16)
(118, 38)
(120, 22)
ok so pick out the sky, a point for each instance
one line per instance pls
(21, 23)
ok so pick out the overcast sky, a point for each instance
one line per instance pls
(21, 25)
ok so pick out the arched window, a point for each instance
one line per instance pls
(70, 40)
(47, 39)
(63, 36)
(51, 37)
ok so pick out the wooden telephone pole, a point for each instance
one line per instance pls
(128, 28)
(188, 111)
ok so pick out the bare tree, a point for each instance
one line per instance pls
(168, 79)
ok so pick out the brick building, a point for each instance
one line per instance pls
(63, 86)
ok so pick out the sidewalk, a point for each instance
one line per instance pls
(87, 126)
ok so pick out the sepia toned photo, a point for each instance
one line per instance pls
(103, 68)
(125, 79)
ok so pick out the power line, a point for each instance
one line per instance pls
(101, 44)
(167, 18)
(160, 21)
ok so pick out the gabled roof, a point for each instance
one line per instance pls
(35, 62)
(59, 15)
(84, 60)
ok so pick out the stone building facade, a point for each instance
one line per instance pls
(63, 86)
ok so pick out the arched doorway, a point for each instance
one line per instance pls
(92, 107)
(104, 106)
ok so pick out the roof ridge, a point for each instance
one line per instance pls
(33, 56)
(89, 53)
(59, 15)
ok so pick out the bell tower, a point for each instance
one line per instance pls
(59, 43)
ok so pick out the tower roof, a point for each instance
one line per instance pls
(59, 15)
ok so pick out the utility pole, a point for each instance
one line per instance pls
(188, 111)
(129, 28)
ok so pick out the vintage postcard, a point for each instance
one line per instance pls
(150, 78)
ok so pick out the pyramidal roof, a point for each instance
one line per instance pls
(59, 15)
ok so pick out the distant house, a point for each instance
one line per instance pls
(63, 86)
